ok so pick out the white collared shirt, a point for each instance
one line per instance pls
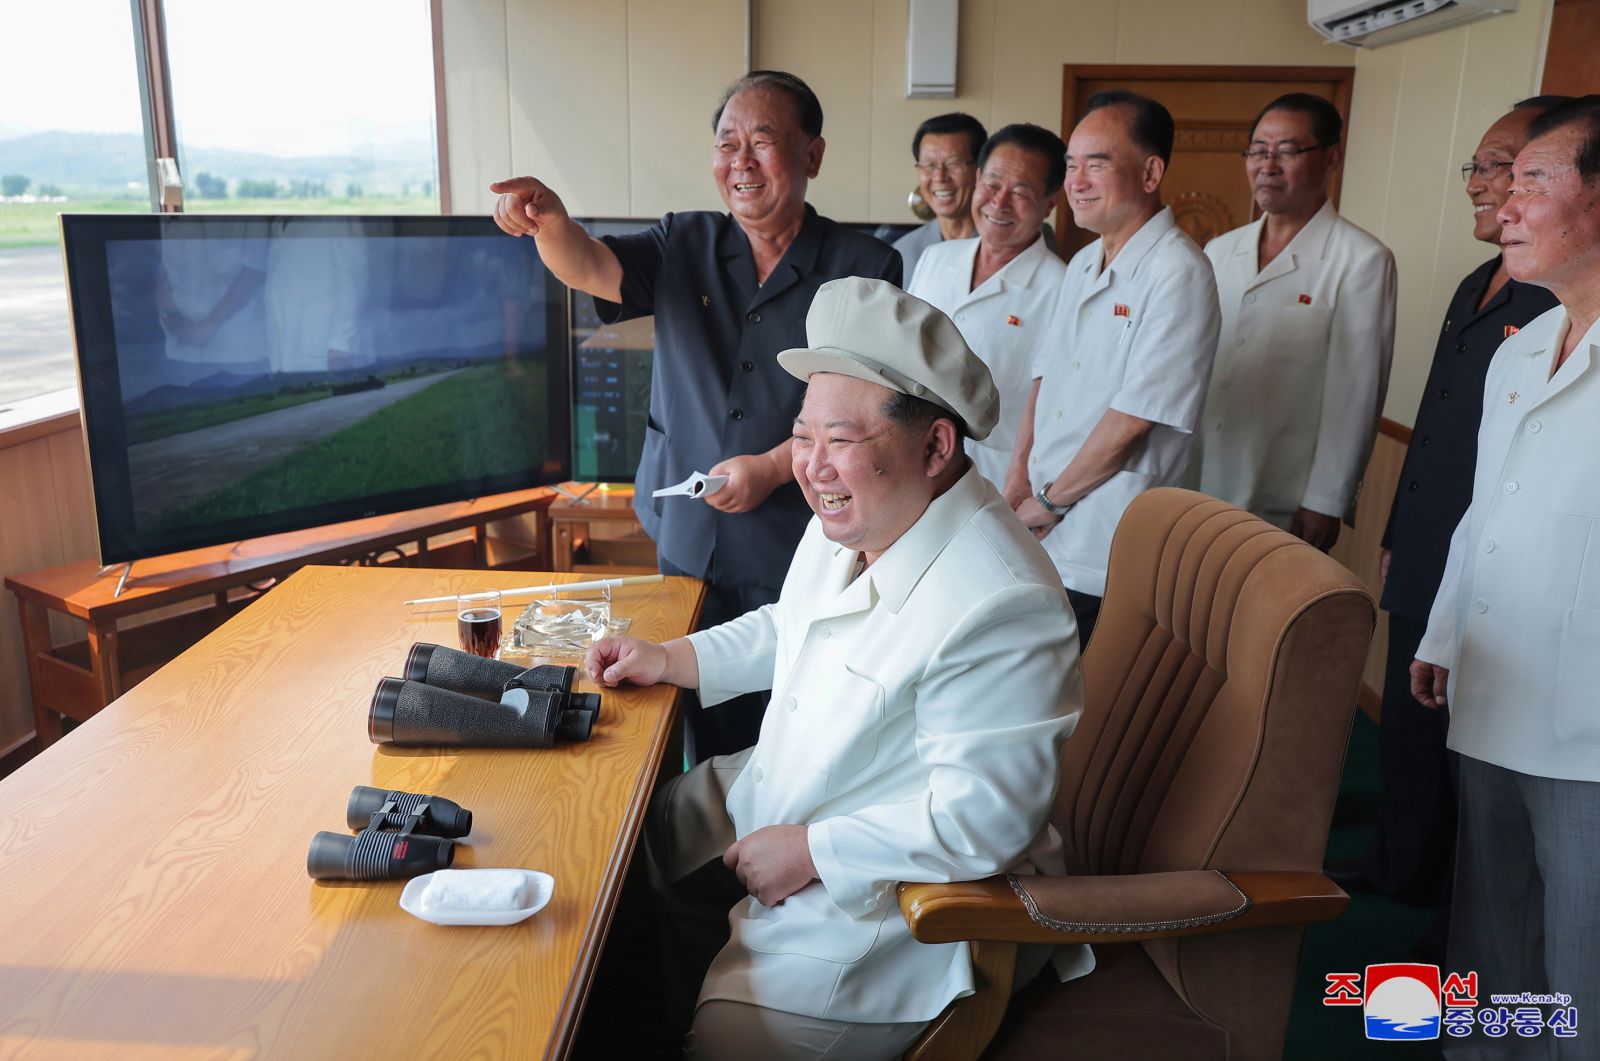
(1139, 337)
(1006, 321)
(1302, 368)
(1517, 616)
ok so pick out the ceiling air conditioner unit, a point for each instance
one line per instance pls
(1367, 25)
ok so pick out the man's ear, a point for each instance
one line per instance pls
(1154, 170)
(814, 152)
(940, 446)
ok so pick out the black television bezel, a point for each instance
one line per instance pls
(83, 241)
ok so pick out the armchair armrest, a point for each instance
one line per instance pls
(1116, 909)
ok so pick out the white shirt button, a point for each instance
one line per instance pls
(1250, 299)
(825, 633)
(1513, 486)
(1226, 384)
(1217, 426)
(1489, 545)
(756, 773)
(1077, 364)
(961, 316)
(872, 904)
(1058, 414)
(1534, 427)
(1480, 605)
(1239, 341)
(790, 702)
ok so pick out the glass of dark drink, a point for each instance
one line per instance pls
(478, 622)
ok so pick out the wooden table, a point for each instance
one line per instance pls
(598, 532)
(77, 688)
(154, 900)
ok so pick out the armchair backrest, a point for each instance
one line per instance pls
(1219, 689)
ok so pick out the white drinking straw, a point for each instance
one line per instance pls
(556, 587)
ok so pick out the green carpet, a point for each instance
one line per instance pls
(1373, 930)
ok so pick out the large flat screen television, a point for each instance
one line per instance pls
(249, 375)
(611, 367)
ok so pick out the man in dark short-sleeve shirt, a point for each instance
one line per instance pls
(1412, 856)
(728, 292)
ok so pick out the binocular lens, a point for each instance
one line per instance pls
(376, 854)
(440, 817)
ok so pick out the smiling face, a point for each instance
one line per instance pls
(1013, 197)
(1282, 185)
(867, 477)
(1111, 185)
(1550, 223)
(762, 159)
(1500, 144)
(945, 174)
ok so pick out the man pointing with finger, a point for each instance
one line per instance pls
(728, 292)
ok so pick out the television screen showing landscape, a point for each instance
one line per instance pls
(249, 375)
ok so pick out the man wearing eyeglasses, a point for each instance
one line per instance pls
(1000, 289)
(1308, 306)
(946, 150)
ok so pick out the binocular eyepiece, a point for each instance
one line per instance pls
(456, 699)
(402, 834)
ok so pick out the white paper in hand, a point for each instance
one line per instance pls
(697, 485)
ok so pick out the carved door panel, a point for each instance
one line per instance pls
(1213, 107)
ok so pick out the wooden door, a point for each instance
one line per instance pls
(1213, 107)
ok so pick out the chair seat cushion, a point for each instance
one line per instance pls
(1124, 1009)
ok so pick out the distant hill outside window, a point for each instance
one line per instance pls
(301, 106)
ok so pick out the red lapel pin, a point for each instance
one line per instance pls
(1013, 321)
(1119, 310)
(1511, 329)
(1305, 300)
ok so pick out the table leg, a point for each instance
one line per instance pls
(561, 546)
(104, 662)
(36, 642)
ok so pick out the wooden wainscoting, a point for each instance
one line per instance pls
(46, 519)
(1358, 549)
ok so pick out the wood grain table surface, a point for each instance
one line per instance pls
(154, 900)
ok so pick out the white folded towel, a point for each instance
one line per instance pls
(460, 890)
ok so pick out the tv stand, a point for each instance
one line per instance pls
(79, 678)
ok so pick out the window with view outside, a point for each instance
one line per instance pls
(304, 106)
(319, 107)
(71, 138)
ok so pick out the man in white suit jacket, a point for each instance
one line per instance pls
(924, 668)
(1001, 288)
(1513, 641)
(1308, 305)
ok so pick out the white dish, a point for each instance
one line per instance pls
(540, 887)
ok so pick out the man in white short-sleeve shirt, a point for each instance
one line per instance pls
(1114, 407)
(1001, 288)
(1308, 304)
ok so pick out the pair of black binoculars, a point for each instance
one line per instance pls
(400, 834)
(456, 699)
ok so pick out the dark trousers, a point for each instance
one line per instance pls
(1527, 902)
(1086, 610)
(1412, 858)
(732, 725)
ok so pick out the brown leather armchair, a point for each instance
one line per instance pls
(1194, 804)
